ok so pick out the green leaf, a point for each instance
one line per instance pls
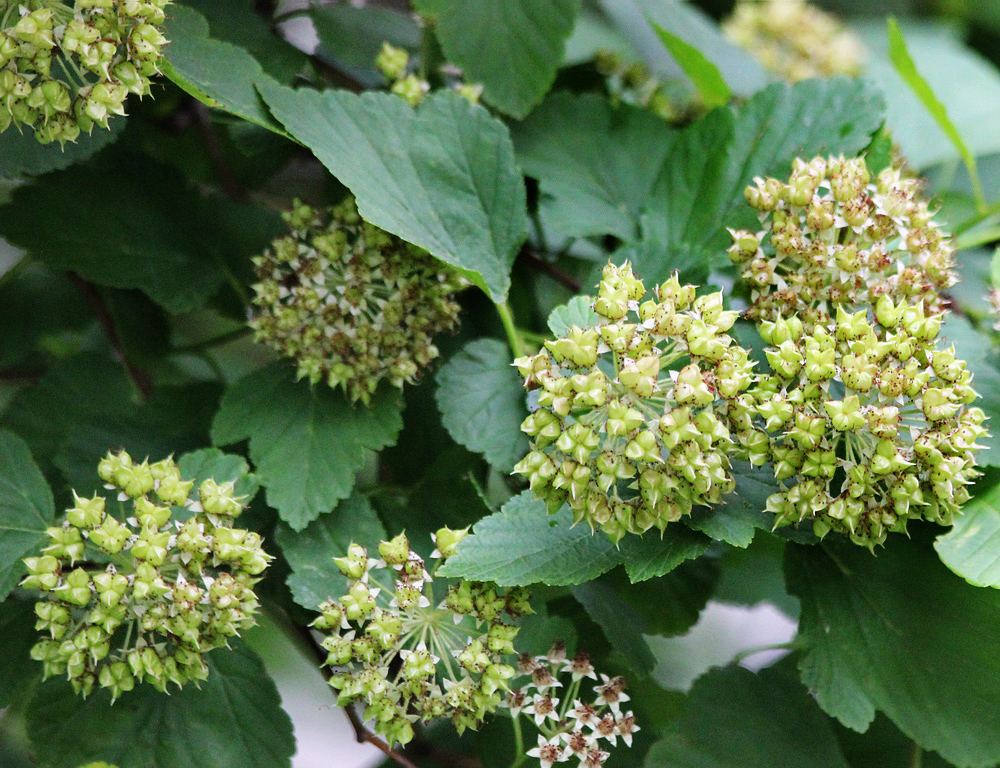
(223, 468)
(26, 509)
(522, 544)
(735, 717)
(966, 83)
(738, 68)
(22, 155)
(755, 575)
(906, 69)
(512, 47)
(78, 388)
(578, 311)
(649, 556)
(17, 669)
(972, 547)
(700, 191)
(310, 552)
(700, 70)
(236, 22)
(596, 164)
(622, 626)
(146, 229)
(902, 634)
(983, 360)
(741, 512)
(235, 718)
(306, 442)
(482, 404)
(216, 73)
(442, 176)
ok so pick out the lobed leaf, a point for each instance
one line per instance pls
(901, 634)
(234, 718)
(26, 509)
(442, 176)
(306, 442)
(512, 47)
(482, 402)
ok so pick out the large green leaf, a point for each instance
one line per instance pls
(621, 625)
(215, 72)
(578, 311)
(972, 548)
(78, 388)
(441, 176)
(512, 47)
(738, 68)
(967, 85)
(234, 718)
(354, 35)
(902, 634)
(17, 669)
(482, 404)
(597, 164)
(26, 509)
(145, 229)
(649, 556)
(522, 544)
(978, 351)
(22, 155)
(734, 717)
(310, 552)
(306, 442)
(212, 463)
(700, 190)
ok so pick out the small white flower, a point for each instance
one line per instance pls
(548, 752)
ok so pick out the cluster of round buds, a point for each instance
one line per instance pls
(628, 442)
(144, 595)
(867, 421)
(794, 40)
(571, 725)
(831, 237)
(350, 303)
(66, 68)
(394, 64)
(406, 657)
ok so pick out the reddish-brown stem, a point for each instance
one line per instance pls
(550, 269)
(230, 184)
(103, 314)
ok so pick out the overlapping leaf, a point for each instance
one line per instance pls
(26, 509)
(442, 176)
(306, 442)
(512, 47)
(901, 634)
(481, 400)
(234, 718)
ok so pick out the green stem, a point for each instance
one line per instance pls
(979, 237)
(916, 756)
(519, 755)
(513, 337)
(975, 219)
(791, 645)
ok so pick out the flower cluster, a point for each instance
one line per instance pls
(867, 422)
(144, 597)
(350, 303)
(866, 419)
(394, 65)
(628, 442)
(570, 725)
(406, 657)
(65, 69)
(831, 237)
(794, 40)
